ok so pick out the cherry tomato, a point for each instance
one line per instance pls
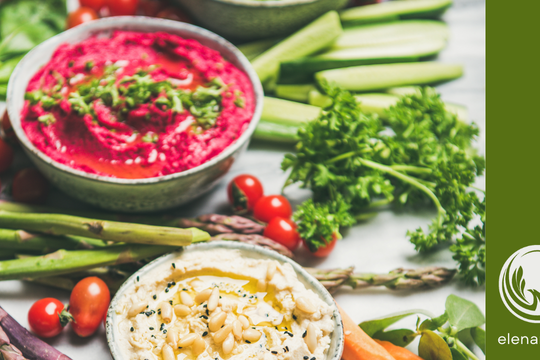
(7, 130)
(88, 303)
(283, 231)
(79, 16)
(324, 251)
(244, 191)
(45, 317)
(174, 13)
(95, 5)
(6, 156)
(269, 207)
(122, 7)
(29, 186)
(151, 7)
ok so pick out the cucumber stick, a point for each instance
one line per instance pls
(302, 70)
(391, 33)
(295, 92)
(376, 77)
(306, 41)
(394, 10)
(253, 49)
(270, 131)
(288, 112)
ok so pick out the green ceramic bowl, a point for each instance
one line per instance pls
(245, 20)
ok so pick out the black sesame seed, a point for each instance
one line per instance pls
(148, 313)
(154, 297)
(294, 317)
(286, 347)
(132, 329)
(205, 305)
(284, 350)
(288, 333)
(137, 278)
(204, 317)
(205, 333)
(184, 289)
(170, 302)
(167, 290)
(151, 328)
(304, 334)
(207, 313)
(173, 265)
(274, 352)
(162, 327)
(249, 342)
(165, 331)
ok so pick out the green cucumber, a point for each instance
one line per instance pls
(253, 49)
(270, 131)
(303, 69)
(376, 77)
(404, 90)
(294, 92)
(391, 33)
(317, 98)
(306, 41)
(288, 112)
(393, 10)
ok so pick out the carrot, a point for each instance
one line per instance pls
(358, 344)
(398, 352)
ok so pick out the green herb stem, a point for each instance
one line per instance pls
(461, 346)
(411, 169)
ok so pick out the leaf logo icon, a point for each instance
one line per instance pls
(519, 299)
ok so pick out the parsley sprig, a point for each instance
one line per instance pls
(422, 155)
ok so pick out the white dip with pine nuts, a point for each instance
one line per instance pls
(219, 305)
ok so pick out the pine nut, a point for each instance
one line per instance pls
(186, 299)
(270, 271)
(187, 340)
(213, 300)
(172, 337)
(237, 330)
(167, 353)
(136, 308)
(252, 335)
(181, 310)
(228, 344)
(203, 296)
(217, 321)
(222, 334)
(166, 312)
(261, 285)
(311, 337)
(305, 305)
(199, 346)
(244, 321)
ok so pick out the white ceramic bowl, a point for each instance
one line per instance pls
(251, 251)
(130, 195)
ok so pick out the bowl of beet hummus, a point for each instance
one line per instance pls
(134, 114)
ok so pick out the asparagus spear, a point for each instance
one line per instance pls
(399, 279)
(63, 261)
(255, 239)
(12, 334)
(22, 240)
(58, 224)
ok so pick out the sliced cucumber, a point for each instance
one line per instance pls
(317, 98)
(288, 112)
(404, 90)
(270, 131)
(309, 40)
(253, 49)
(295, 92)
(394, 10)
(391, 33)
(302, 70)
(376, 77)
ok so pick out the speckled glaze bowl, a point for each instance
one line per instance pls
(245, 20)
(130, 195)
(251, 251)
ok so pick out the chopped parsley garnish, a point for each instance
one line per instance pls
(47, 119)
(150, 137)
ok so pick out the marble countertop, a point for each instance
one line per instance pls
(378, 245)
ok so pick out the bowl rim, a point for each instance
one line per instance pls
(268, 3)
(220, 244)
(100, 25)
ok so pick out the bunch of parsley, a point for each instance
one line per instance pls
(422, 155)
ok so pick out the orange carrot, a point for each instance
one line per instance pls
(358, 345)
(398, 352)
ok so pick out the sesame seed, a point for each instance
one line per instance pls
(304, 334)
(249, 342)
(132, 329)
(154, 297)
(174, 265)
(151, 328)
(274, 352)
(205, 333)
(294, 317)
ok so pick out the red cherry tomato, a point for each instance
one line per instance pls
(174, 13)
(244, 191)
(6, 156)
(29, 186)
(122, 7)
(283, 231)
(95, 5)
(324, 251)
(88, 303)
(79, 16)
(7, 130)
(269, 207)
(151, 7)
(44, 317)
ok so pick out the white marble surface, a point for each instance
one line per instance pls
(376, 246)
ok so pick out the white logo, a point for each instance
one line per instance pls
(519, 284)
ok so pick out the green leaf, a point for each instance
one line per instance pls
(433, 347)
(457, 355)
(373, 326)
(462, 313)
(399, 337)
(434, 323)
(479, 337)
